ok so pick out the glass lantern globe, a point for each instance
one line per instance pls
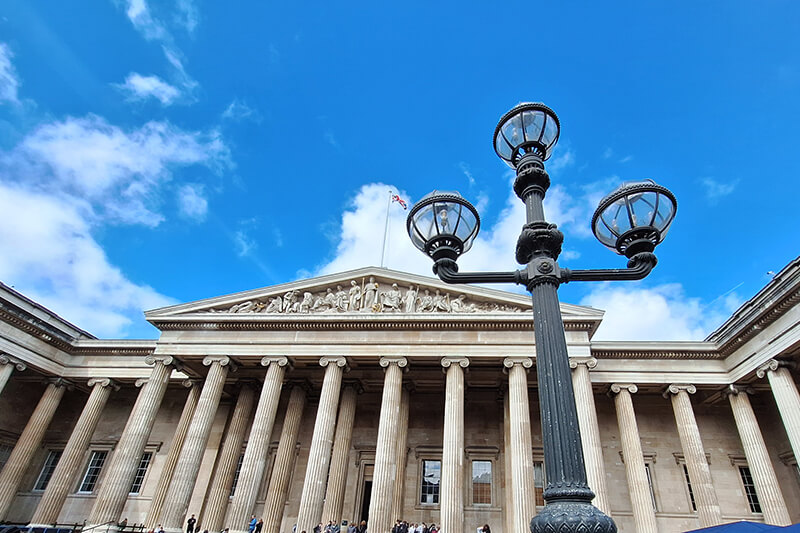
(635, 217)
(529, 128)
(443, 224)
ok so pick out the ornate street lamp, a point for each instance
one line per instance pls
(632, 220)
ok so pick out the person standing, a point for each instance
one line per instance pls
(190, 524)
(259, 525)
(252, 526)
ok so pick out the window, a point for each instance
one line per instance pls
(47, 470)
(431, 476)
(236, 475)
(649, 472)
(141, 470)
(538, 482)
(689, 487)
(93, 470)
(5, 453)
(750, 489)
(482, 482)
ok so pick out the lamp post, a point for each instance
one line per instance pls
(632, 220)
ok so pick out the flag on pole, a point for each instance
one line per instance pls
(396, 198)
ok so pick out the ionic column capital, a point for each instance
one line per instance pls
(139, 383)
(6, 359)
(616, 388)
(191, 382)
(103, 382)
(772, 365)
(509, 362)
(279, 360)
(339, 361)
(221, 360)
(463, 362)
(387, 360)
(735, 390)
(166, 360)
(61, 382)
(588, 362)
(675, 388)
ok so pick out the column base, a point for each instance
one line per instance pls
(569, 517)
(173, 530)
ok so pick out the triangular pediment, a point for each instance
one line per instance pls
(365, 291)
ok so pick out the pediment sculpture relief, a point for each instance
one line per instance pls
(369, 296)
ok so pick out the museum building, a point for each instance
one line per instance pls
(336, 399)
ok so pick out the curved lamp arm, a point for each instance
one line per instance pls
(447, 270)
(639, 266)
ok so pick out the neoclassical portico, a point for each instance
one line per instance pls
(301, 404)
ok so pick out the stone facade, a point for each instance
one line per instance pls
(316, 376)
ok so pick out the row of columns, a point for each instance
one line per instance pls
(332, 439)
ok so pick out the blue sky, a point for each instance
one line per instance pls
(160, 152)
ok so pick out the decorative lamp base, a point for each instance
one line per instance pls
(572, 517)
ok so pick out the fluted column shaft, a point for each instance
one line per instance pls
(787, 398)
(452, 482)
(284, 461)
(182, 486)
(337, 475)
(590, 433)
(402, 453)
(508, 466)
(699, 473)
(319, 455)
(255, 454)
(171, 461)
(61, 482)
(125, 460)
(755, 450)
(521, 445)
(638, 486)
(28, 442)
(383, 477)
(217, 500)
(7, 366)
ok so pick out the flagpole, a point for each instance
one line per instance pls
(386, 227)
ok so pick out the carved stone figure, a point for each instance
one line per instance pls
(370, 294)
(460, 306)
(290, 304)
(391, 299)
(355, 296)
(441, 302)
(341, 299)
(410, 299)
(243, 307)
(308, 301)
(425, 302)
(275, 305)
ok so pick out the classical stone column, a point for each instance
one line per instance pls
(383, 477)
(20, 458)
(699, 474)
(635, 470)
(590, 432)
(127, 455)
(787, 398)
(452, 483)
(217, 499)
(284, 460)
(171, 461)
(755, 450)
(61, 482)
(7, 366)
(319, 455)
(255, 454)
(402, 452)
(508, 508)
(521, 444)
(182, 486)
(337, 475)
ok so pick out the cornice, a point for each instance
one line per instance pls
(34, 326)
(656, 350)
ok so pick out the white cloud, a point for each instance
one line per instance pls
(243, 243)
(9, 83)
(560, 160)
(188, 15)
(192, 202)
(143, 20)
(68, 178)
(467, 173)
(57, 262)
(238, 110)
(139, 87)
(716, 189)
(664, 312)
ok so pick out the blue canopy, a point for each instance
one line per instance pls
(747, 527)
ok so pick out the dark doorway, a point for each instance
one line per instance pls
(365, 501)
